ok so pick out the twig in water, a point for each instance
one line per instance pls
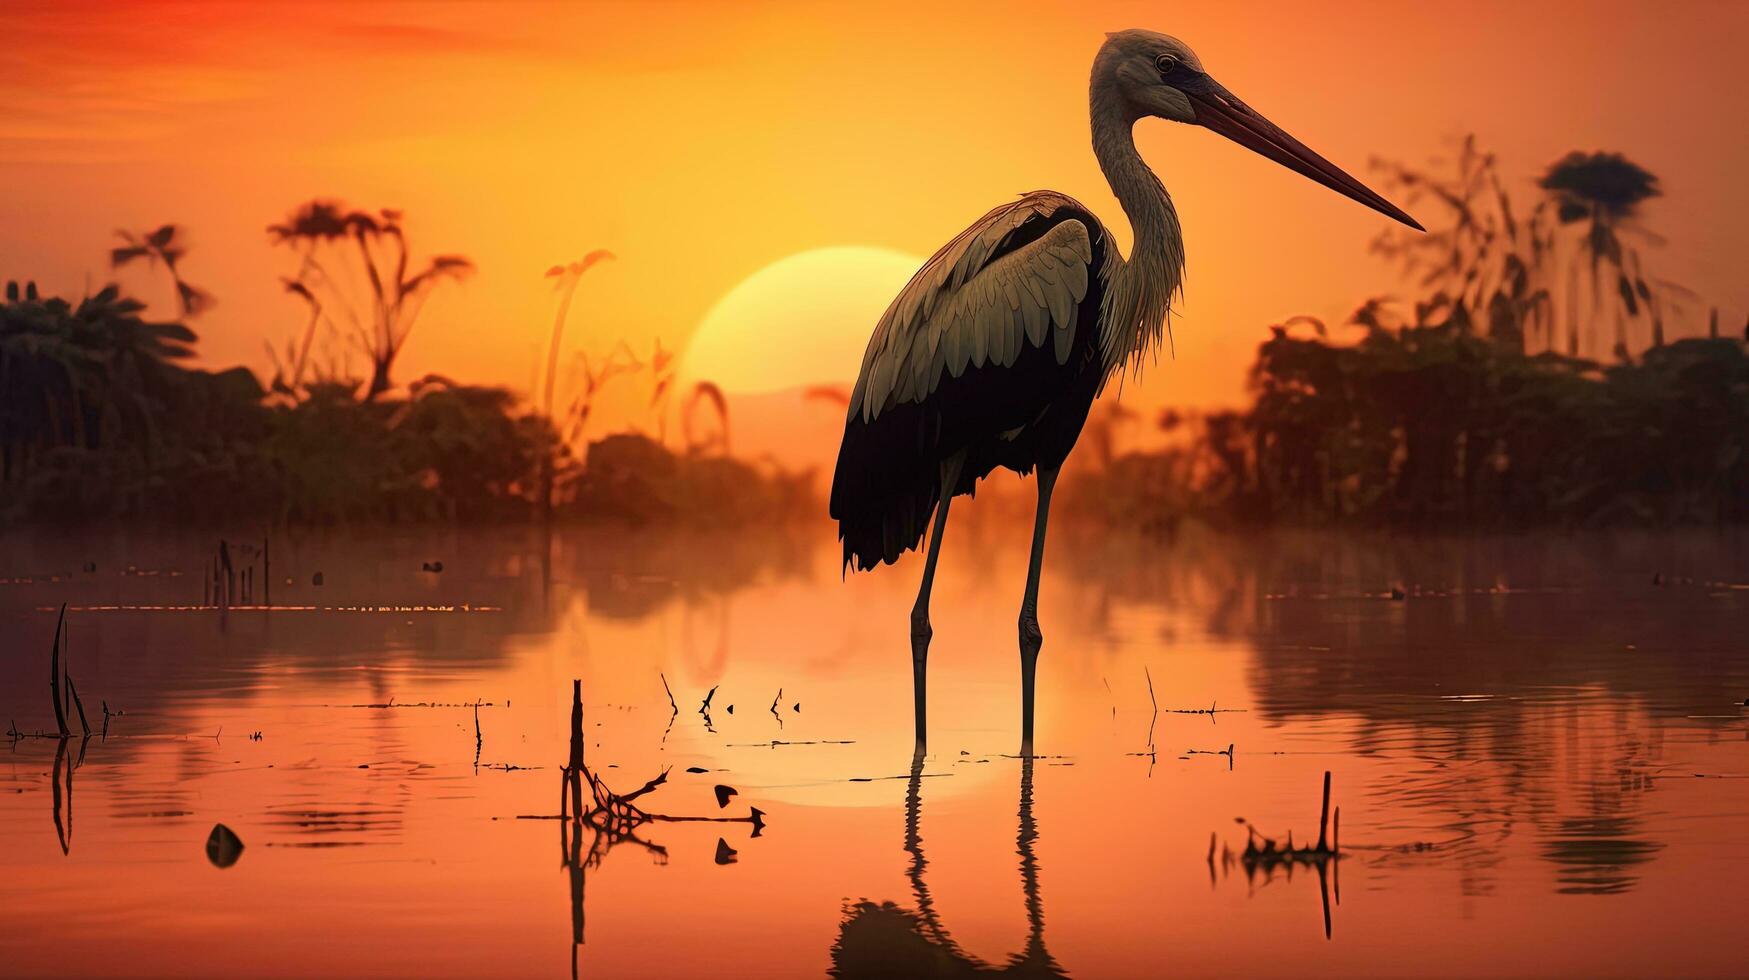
(776, 742)
(1228, 752)
(613, 815)
(1268, 856)
(84, 726)
(55, 674)
(1211, 711)
(1153, 719)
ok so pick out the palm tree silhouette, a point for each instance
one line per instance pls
(355, 264)
(163, 245)
(80, 376)
(1602, 193)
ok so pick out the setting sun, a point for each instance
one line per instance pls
(799, 321)
(475, 479)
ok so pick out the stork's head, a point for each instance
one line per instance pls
(1152, 74)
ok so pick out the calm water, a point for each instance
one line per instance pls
(1540, 756)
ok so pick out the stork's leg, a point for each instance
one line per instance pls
(1030, 637)
(921, 632)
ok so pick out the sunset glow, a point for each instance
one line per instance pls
(702, 142)
(475, 478)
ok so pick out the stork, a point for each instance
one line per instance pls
(995, 350)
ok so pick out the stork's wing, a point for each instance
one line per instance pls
(1015, 277)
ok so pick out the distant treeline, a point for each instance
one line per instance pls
(100, 419)
(1476, 407)
(1433, 426)
(1528, 378)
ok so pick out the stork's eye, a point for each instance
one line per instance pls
(1166, 64)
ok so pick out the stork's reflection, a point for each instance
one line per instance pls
(884, 940)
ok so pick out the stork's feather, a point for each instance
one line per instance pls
(978, 300)
(992, 353)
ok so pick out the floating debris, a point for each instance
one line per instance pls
(696, 769)
(724, 794)
(431, 566)
(1211, 710)
(223, 846)
(1264, 854)
(1228, 752)
(316, 579)
(778, 741)
(1261, 851)
(725, 853)
(1397, 593)
(614, 817)
(392, 703)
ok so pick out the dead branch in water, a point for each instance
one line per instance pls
(1211, 710)
(1264, 854)
(84, 726)
(55, 674)
(774, 743)
(1228, 752)
(614, 815)
(62, 693)
(675, 708)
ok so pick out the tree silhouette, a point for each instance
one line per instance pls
(163, 245)
(1600, 194)
(1481, 266)
(354, 265)
(566, 278)
(706, 393)
(81, 376)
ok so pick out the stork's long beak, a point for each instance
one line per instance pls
(1219, 110)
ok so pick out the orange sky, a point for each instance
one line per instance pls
(703, 141)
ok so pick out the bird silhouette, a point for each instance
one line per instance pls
(994, 352)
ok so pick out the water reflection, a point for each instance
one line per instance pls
(1517, 740)
(884, 940)
(63, 829)
(1518, 682)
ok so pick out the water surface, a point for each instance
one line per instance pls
(1540, 754)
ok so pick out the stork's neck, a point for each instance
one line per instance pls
(1144, 284)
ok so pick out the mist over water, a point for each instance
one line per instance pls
(1540, 753)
